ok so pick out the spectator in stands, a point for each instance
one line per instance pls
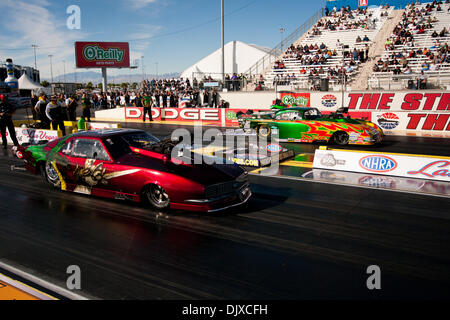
(434, 34)
(358, 39)
(422, 81)
(443, 32)
(366, 38)
(407, 70)
(425, 66)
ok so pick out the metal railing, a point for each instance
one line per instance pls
(269, 58)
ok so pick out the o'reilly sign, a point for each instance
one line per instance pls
(102, 54)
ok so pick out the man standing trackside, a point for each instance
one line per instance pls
(147, 103)
(71, 104)
(6, 112)
(54, 113)
(40, 111)
(86, 107)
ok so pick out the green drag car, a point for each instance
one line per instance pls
(304, 124)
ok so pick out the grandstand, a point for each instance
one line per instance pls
(343, 47)
(423, 51)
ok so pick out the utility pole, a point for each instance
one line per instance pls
(142, 62)
(34, 46)
(51, 67)
(223, 45)
(64, 69)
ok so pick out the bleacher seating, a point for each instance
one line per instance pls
(403, 60)
(299, 70)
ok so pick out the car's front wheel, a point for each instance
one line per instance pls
(157, 196)
(50, 174)
(341, 138)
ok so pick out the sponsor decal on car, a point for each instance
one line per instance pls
(273, 147)
(329, 100)
(378, 163)
(388, 121)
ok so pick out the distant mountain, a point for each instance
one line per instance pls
(96, 77)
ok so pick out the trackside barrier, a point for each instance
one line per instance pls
(391, 164)
(33, 136)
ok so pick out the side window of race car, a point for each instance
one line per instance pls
(292, 115)
(90, 149)
(311, 114)
(67, 148)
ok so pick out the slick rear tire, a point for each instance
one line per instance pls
(157, 196)
(264, 131)
(341, 138)
(50, 175)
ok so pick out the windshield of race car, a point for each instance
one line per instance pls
(120, 145)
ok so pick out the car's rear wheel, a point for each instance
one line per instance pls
(50, 174)
(341, 138)
(264, 131)
(157, 196)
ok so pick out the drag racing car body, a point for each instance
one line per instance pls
(301, 124)
(134, 165)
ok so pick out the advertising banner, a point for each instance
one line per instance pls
(32, 136)
(299, 99)
(102, 125)
(102, 54)
(208, 116)
(409, 166)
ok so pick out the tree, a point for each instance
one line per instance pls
(45, 84)
(134, 85)
(89, 85)
(100, 86)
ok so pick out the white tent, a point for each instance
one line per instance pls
(239, 57)
(28, 84)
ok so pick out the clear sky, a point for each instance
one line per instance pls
(170, 34)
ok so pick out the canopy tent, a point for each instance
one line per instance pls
(239, 57)
(26, 83)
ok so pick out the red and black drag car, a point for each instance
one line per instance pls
(133, 165)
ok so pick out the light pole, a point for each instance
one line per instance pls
(281, 36)
(51, 66)
(34, 46)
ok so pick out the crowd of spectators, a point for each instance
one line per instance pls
(346, 19)
(173, 93)
(415, 20)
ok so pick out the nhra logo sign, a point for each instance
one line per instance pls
(388, 121)
(329, 100)
(378, 164)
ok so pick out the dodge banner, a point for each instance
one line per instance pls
(102, 54)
